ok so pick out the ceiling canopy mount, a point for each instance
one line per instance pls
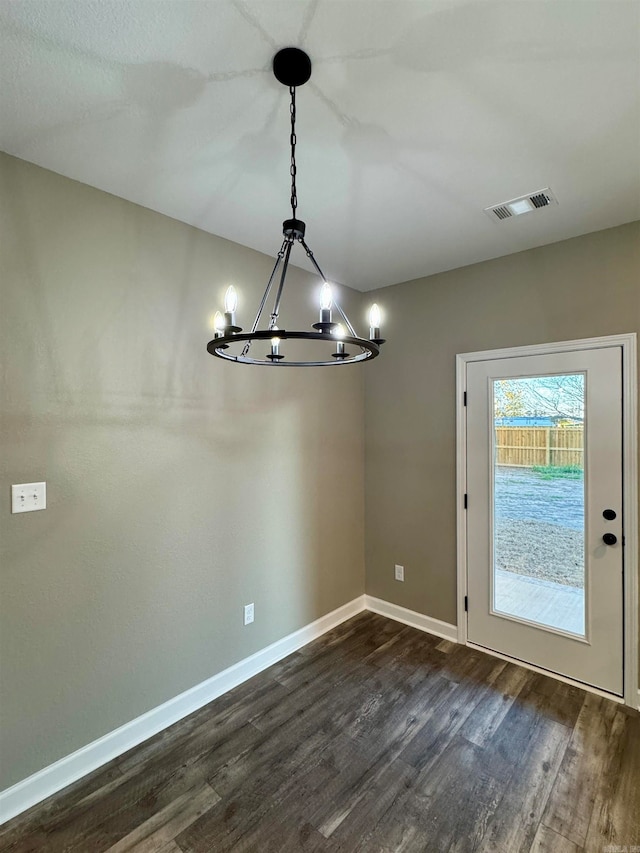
(292, 66)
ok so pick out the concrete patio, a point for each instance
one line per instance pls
(542, 601)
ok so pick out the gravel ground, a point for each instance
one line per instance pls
(539, 526)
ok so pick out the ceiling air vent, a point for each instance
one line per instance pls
(522, 204)
(501, 211)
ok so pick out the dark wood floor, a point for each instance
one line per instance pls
(376, 737)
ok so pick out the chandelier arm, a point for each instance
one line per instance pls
(283, 275)
(311, 257)
(265, 295)
(345, 318)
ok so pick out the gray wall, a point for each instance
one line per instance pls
(578, 288)
(179, 487)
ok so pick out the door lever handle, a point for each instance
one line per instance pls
(609, 539)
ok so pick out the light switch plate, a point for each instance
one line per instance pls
(28, 497)
(399, 573)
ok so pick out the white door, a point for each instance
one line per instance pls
(544, 514)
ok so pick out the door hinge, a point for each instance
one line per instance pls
(464, 399)
(466, 604)
(465, 501)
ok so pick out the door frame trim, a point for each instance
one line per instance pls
(628, 343)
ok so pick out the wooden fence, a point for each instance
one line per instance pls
(524, 447)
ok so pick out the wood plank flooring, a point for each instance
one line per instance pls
(376, 737)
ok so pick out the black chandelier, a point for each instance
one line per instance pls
(292, 68)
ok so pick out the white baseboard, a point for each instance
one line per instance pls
(72, 767)
(410, 617)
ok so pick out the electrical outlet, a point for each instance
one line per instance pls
(248, 614)
(399, 573)
(28, 497)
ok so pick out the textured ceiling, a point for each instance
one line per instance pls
(418, 115)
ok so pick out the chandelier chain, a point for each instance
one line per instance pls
(293, 140)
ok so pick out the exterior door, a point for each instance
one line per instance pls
(544, 515)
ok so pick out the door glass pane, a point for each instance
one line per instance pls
(538, 471)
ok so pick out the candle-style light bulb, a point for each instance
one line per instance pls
(326, 301)
(339, 333)
(326, 297)
(230, 300)
(230, 305)
(218, 325)
(274, 355)
(374, 322)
